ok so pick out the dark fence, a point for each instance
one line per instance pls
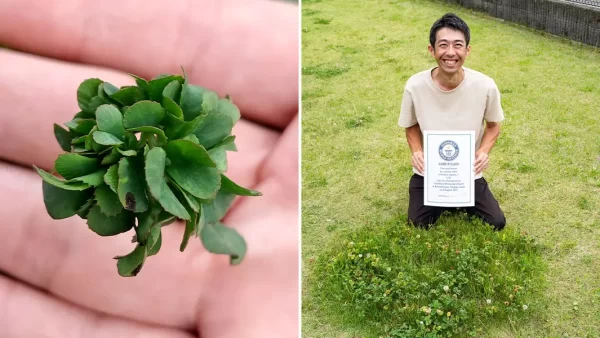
(577, 20)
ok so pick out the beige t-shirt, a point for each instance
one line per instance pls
(466, 107)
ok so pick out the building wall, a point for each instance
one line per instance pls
(577, 20)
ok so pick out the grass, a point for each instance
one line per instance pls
(544, 169)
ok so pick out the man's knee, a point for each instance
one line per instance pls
(498, 222)
(423, 222)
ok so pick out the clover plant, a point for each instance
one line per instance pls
(144, 156)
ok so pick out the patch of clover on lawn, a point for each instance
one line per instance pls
(449, 281)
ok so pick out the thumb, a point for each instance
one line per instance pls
(218, 49)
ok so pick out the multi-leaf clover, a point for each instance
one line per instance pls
(144, 156)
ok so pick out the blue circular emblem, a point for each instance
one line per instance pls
(448, 150)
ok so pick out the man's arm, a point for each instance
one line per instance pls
(414, 139)
(490, 135)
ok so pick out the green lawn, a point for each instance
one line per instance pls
(544, 169)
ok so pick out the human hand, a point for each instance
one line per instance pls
(418, 161)
(481, 163)
(63, 282)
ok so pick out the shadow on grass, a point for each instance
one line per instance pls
(324, 71)
(454, 280)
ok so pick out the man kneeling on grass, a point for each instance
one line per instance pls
(451, 97)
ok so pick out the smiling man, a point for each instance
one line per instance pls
(451, 97)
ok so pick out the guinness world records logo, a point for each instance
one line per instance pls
(448, 150)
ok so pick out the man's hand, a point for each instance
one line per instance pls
(414, 139)
(482, 161)
(418, 161)
(492, 131)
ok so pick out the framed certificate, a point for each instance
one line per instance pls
(449, 172)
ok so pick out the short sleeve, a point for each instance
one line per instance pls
(408, 118)
(493, 107)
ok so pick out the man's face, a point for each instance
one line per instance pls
(450, 50)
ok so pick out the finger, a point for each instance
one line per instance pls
(416, 164)
(415, 160)
(70, 261)
(421, 163)
(282, 163)
(484, 162)
(37, 92)
(478, 162)
(420, 168)
(271, 265)
(281, 170)
(30, 313)
(248, 49)
(479, 169)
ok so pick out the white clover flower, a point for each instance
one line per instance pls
(440, 312)
(446, 288)
(418, 236)
(360, 255)
(389, 269)
(351, 243)
(421, 322)
(525, 307)
(489, 301)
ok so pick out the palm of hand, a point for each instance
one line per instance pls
(62, 281)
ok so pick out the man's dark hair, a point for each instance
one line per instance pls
(452, 21)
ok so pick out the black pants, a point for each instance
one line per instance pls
(486, 207)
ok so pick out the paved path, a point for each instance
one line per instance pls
(593, 3)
